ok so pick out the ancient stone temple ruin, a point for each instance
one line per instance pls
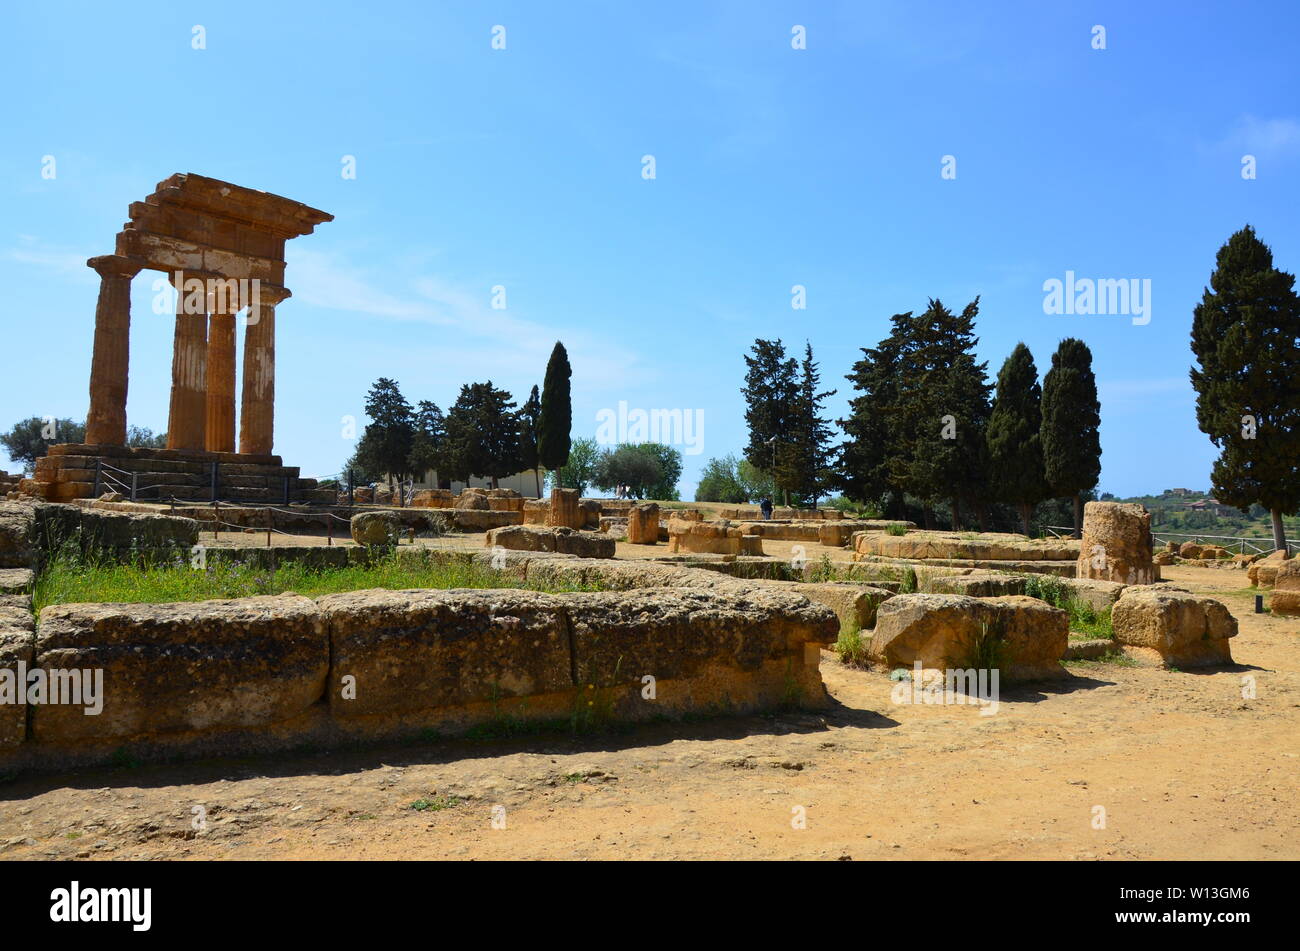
(222, 248)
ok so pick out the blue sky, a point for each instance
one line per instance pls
(522, 167)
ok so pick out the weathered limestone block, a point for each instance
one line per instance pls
(114, 533)
(565, 511)
(718, 538)
(472, 500)
(590, 511)
(738, 650)
(836, 534)
(1116, 543)
(564, 541)
(376, 528)
(536, 511)
(15, 580)
(1173, 628)
(505, 500)
(363, 495)
(1263, 573)
(989, 546)
(950, 631)
(17, 534)
(1286, 589)
(412, 651)
(480, 520)
(751, 545)
(433, 499)
(975, 584)
(17, 644)
(179, 668)
(855, 605)
(1189, 550)
(1215, 552)
(1097, 594)
(643, 524)
(1163, 558)
(383, 495)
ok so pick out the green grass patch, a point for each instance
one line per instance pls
(852, 646)
(895, 529)
(1086, 622)
(436, 804)
(68, 578)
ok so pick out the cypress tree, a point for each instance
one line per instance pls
(1014, 440)
(1071, 417)
(1244, 337)
(555, 422)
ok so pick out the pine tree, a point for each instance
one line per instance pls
(386, 441)
(1071, 418)
(771, 393)
(811, 434)
(871, 442)
(529, 417)
(1014, 440)
(940, 410)
(555, 422)
(482, 434)
(1246, 339)
(430, 432)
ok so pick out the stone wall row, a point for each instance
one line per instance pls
(275, 672)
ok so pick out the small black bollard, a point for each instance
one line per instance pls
(1259, 604)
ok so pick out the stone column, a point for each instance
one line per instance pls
(187, 419)
(220, 433)
(106, 421)
(257, 402)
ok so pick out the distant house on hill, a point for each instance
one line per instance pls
(525, 483)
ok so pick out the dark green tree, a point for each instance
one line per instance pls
(670, 470)
(386, 442)
(771, 393)
(427, 442)
(1014, 436)
(1246, 339)
(628, 465)
(940, 411)
(555, 421)
(719, 482)
(529, 418)
(29, 439)
(482, 434)
(578, 471)
(863, 464)
(1071, 421)
(810, 434)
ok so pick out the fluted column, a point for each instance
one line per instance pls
(187, 419)
(220, 433)
(106, 421)
(257, 404)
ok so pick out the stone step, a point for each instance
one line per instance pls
(51, 464)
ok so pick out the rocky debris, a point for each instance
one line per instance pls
(590, 512)
(17, 644)
(1116, 543)
(565, 541)
(1286, 589)
(380, 529)
(1023, 638)
(643, 524)
(1173, 628)
(15, 580)
(1097, 594)
(1189, 550)
(175, 668)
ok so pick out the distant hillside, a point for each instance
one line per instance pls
(1193, 512)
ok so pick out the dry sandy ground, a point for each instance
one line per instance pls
(1183, 766)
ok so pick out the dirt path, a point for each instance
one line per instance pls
(1183, 766)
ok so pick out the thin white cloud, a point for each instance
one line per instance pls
(1273, 139)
